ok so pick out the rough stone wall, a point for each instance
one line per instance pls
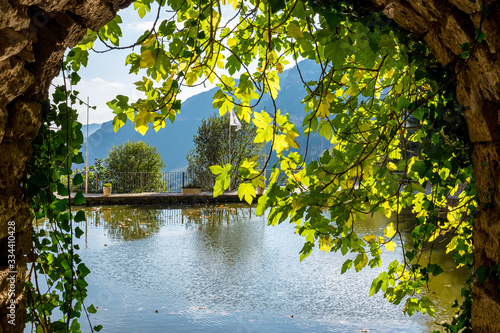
(445, 25)
(33, 37)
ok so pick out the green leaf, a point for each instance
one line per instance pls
(419, 113)
(57, 326)
(247, 191)
(222, 181)
(111, 31)
(79, 217)
(167, 27)
(216, 169)
(119, 120)
(277, 5)
(61, 204)
(294, 30)
(62, 190)
(84, 271)
(434, 269)
(347, 264)
(58, 95)
(482, 274)
(360, 261)
(332, 19)
(75, 325)
(480, 35)
(389, 231)
(370, 238)
(65, 265)
(77, 180)
(375, 287)
(79, 199)
(78, 158)
(91, 309)
(147, 59)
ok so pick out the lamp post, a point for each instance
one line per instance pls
(230, 151)
(233, 121)
(87, 153)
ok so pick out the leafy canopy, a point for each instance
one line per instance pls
(374, 77)
(134, 166)
(133, 156)
(56, 287)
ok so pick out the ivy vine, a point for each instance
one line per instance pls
(57, 286)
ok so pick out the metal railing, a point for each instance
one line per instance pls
(136, 182)
(139, 182)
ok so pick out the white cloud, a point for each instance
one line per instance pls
(139, 26)
(100, 82)
(99, 92)
(58, 81)
(96, 79)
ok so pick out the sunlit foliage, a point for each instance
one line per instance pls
(378, 91)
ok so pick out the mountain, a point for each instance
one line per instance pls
(175, 140)
(92, 129)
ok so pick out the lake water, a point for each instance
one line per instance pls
(222, 269)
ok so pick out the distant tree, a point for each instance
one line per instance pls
(98, 166)
(211, 147)
(134, 166)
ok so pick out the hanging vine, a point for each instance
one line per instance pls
(56, 287)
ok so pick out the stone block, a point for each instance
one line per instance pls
(24, 120)
(11, 43)
(13, 159)
(14, 79)
(13, 16)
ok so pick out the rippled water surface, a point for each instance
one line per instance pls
(222, 269)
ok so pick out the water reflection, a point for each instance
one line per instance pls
(222, 269)
(126, 224)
